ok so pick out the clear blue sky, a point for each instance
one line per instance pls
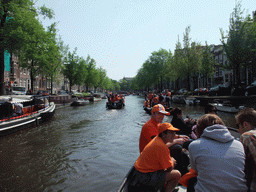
(121, 34)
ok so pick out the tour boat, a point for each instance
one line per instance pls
(115, 104)
(35, 110)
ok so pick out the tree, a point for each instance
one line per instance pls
(17, 20)
(208, 62)
(71, 67)
(33, 55)
(91, 71)
(239, 43)
(102, 77)
(52, 57)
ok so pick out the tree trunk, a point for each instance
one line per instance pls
(2, 87)
(51, 84)
(31, 76)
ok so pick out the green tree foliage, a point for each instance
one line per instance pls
(177, 63)
(33, 54)
(71, 67)
(92, 76)
(239, 43)
(18, 27)
(192, 57)
(51, 63)
(208, 62)
(124, 85)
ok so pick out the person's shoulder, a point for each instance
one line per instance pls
(249, 134)
(195, 144)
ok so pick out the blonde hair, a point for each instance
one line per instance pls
(206, 121)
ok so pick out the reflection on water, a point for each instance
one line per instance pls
(86, 148)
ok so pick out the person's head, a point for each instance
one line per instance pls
(167, 132)
(158, 112)
(176, 112)
(210, 109)
(206, 121)
(246, 120)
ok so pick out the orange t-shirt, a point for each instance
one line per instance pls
(155, 157)
(156, 99)
(149, 129)
(146, 104)
(150, 96)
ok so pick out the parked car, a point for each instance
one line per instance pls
(220, 90)
(62, 92)
(183, 91)
(251, 89)
(74, 92)
(16, 90)
(42, 92)
(200, 91)
(196, 91)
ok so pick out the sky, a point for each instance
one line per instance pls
(120, 35)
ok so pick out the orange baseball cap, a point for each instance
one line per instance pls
(166, 126)
(160, 108)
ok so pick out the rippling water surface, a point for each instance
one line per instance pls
(87, 148)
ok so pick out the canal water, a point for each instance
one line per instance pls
(87, 148)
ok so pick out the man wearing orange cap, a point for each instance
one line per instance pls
(155, 166)
(150, 128)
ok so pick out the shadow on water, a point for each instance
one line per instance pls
(86, 148)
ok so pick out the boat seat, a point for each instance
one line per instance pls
(26, 110)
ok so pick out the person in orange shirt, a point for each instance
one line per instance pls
(150, 128)
(150, 97)
(155, 100)
(146, 103)
(155, 166)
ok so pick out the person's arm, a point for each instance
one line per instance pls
(182, 136)
(177, 141)
(173, 165)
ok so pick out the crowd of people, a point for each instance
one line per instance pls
(152, 99)
(114, 97)
(218, 161)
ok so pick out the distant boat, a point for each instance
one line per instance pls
(79, 102)
(191, 101)
(115, 105)
(226, 107)
(178, 99)
(36, 109)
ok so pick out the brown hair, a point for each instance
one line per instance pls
(176, 111)
(248, 115)
(206, 121)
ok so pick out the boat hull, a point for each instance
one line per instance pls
(114, 105)
(79, 103)
(15, 124)
(227, 109)
(126, 187)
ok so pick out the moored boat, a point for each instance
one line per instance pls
(227, 107)
(191, 101)
(35, 110)
(80, 102)
(178, 99)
